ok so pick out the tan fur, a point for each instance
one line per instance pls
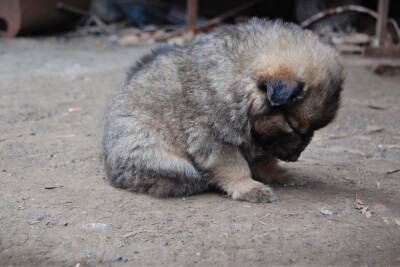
(302, 58)
(269, 170)
(292, 58)
(232, 174)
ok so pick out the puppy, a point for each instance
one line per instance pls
(184, 119)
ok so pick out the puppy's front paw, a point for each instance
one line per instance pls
(254, 192)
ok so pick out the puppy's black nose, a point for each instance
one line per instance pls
(281, 93)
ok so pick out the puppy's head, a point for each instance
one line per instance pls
(301, 78)
(307, 103)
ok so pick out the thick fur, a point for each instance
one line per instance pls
(184, 118)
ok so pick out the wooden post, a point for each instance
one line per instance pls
(381, 24)
(191, 14)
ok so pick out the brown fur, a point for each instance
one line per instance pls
(286, 130)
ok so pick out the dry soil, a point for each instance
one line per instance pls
(57, 209)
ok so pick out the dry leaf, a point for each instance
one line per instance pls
(359, 204)
(363, 209)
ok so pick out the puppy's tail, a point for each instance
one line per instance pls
(164, 187)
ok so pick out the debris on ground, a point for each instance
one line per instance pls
(171, 35)
(131, 234)
(379, 152)
(53, 187)
(392, 171)
(376, 107)
(21, 204)
(119, 258)
(95, 226)
(386, 70)
(364, 210)
(74, 109)
(372, 129)
(359, 204)
(79, 77)
(37, 219)
(327, 212)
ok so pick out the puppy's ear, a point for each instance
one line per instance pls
(281, 93)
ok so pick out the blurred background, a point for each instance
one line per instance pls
(358, 27)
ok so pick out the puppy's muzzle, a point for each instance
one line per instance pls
(290, 146)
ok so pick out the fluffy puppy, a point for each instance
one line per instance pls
(184, 119)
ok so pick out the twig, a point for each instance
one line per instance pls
(349, 8)
(214, 21)
(393, 171)
(53, 187)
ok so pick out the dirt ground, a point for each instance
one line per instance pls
(57, 209)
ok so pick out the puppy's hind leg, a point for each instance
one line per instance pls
(153, 170)
(166, 187)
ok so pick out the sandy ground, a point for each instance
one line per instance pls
(56, 208)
